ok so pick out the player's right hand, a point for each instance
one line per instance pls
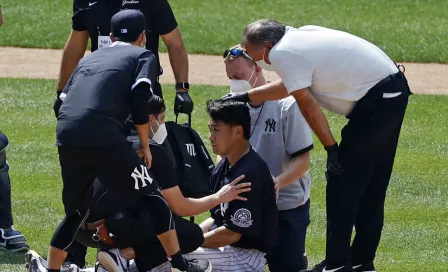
(241, 97)
(232, 190)
(146, 155)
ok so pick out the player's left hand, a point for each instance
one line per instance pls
(232, 190)
(183, 102)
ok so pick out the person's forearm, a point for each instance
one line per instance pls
(70, 58)
(195, 206)
(294, 170)
(179, 61)
(207, 224)
(316, 119)
(271, 91)
(220, 237)
(143, 135)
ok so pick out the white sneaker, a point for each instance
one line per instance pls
(113, 261)
(34, 262)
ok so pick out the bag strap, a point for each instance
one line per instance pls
(189, 118)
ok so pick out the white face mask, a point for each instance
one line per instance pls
(160, 135)
(263, 64)
(241, 85)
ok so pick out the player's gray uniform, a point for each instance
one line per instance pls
(279, 132)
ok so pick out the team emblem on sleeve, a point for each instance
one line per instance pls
(142, 176)
(242, 218)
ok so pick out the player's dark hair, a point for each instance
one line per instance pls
(232, 113)
(127, 39)
(156, 105)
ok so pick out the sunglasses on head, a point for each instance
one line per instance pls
(236, 52)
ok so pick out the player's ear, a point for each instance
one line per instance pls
(239, 131)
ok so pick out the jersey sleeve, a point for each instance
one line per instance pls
(295, 71)
(163, 168)
(77, 22)
(245, 217)
(163, 17)
(146, 70)
(296, 131)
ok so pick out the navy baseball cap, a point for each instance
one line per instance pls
(128, 24)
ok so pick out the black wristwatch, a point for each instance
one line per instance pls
(182, 85)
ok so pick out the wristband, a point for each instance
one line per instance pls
(182, 85)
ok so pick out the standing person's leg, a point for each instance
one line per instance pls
(152, 254)
(121, 169)
(360, 148)
(77, 254)
(290, 253)
(5, 193)
(78, 177)
(370, 217)
(10, 239)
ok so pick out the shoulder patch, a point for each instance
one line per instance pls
(242, 218)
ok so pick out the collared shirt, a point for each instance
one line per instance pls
(337, 67)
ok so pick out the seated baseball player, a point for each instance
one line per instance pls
(238, 233)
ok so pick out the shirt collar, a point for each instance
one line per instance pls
(119, 43)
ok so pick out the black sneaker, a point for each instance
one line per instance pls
(367, 267)
(196, 266)
(318, 267)
(12, 240)
(322, 267)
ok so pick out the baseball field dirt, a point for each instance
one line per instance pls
(428, 78)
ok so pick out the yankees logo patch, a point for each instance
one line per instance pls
(242, 218)
(270, 125)
(142, 176)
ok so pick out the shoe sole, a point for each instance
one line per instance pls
(20, 249)
(108, 262)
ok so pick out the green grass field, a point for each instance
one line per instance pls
(415, 234)
(408, 30)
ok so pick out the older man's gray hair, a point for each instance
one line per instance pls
(263, 31)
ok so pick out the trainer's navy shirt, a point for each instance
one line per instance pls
(159, 19)
(106, 203)
(98, 95)
(256, 218)
(94, 16)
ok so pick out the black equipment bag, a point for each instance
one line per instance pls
(194, 163)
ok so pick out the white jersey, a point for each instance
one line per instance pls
(337, 67)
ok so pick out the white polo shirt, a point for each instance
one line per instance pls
(337, 67)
